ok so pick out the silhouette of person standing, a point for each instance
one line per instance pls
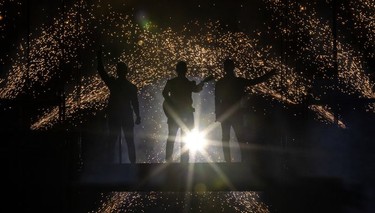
(229, 92)
(122, 103)
(178, 108)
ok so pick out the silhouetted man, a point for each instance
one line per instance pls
(122, 103)
(229, 92)
(178, 108)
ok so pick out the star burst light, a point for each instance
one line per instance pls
(195, 141)
(152, 52)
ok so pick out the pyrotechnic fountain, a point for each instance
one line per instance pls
(151, 53)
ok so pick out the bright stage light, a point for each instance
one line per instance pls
(195, 140)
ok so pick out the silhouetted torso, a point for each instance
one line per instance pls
(178, 108)
(177, 93)
(122, 98)
(230, 107)
(122, 103)
(229, 93)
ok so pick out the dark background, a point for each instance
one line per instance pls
(40, 165)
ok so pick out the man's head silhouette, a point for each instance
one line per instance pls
(122, 70)
(229, 66)
(181, 68)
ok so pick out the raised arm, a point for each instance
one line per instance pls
(102, 73)
(261, 79)
(197, 87)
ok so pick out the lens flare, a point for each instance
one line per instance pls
(195, 140)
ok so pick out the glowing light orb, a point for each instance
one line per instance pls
(195, 140)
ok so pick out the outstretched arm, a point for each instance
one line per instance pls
(197, 87)
(262, 78)
(103, 74)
